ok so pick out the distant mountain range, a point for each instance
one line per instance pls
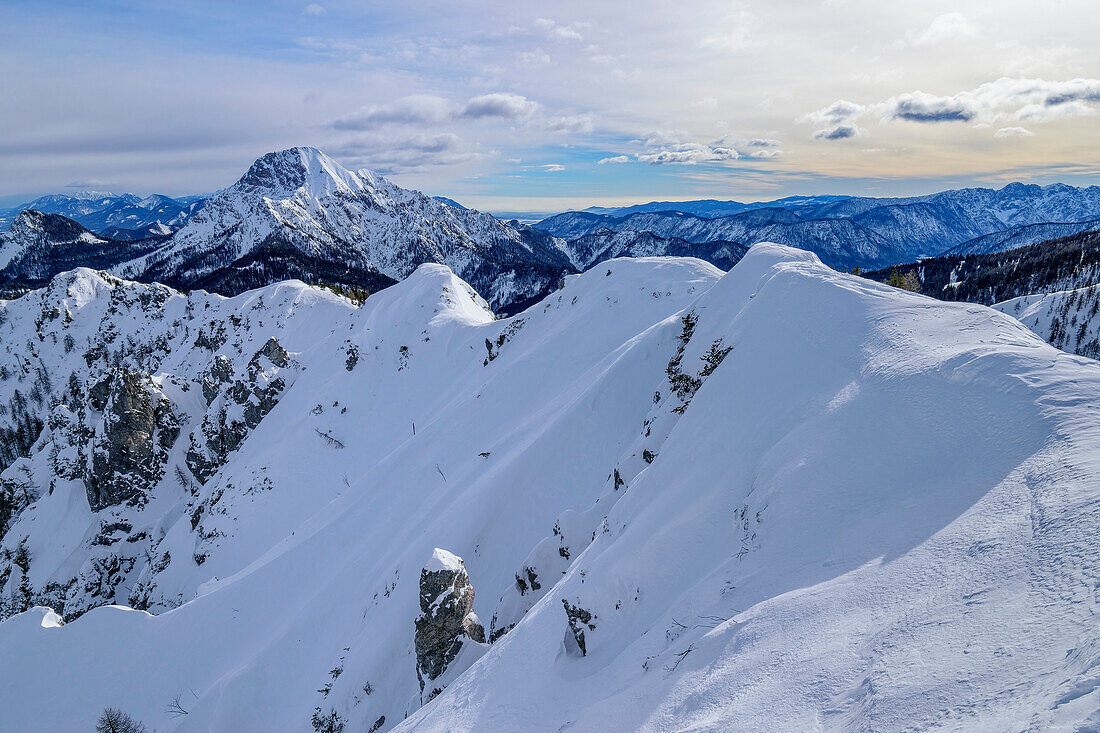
(712, 207)
(122, 215)
(857, 231)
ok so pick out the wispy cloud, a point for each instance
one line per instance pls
(89, 183)
(944, 28)
(427, 109)
(572, 125)
(402, 154)
(413, 109)
(556, 31)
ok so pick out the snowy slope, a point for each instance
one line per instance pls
(299, 213)
(680, 500)
(1066, 319)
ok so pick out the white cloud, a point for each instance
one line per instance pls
(533, 59)
(836, 113)
(313, 9)
(734, 34)
(428, 110)
(1014, 132)
(922, 107)
(1002, 100)
(557, 32)
(945, 28)
(576, 124)
(414, 152)
(503, 105)
(688, 154)
(838, 132)
(553, 168)
(410, 110)
(665, 147)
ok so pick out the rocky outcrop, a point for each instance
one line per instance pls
(236, 406)
(131, 445)
(579, 620)
(446, 621)
(220, 372)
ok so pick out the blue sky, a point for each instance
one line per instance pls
(526, 106)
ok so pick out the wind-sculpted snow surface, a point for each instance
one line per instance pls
(779, 499)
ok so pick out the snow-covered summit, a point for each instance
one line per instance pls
(298, 213)
(285, 172)
(441, 560)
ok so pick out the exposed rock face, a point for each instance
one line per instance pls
(14, 498)
(579, 620)
(131, 445)
(236, 408)
(446, 619)
(221, 372)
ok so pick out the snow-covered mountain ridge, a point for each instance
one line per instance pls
(662, 497)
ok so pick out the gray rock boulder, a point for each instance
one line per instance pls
(446, 621)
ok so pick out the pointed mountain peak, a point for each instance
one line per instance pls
(292, 169)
